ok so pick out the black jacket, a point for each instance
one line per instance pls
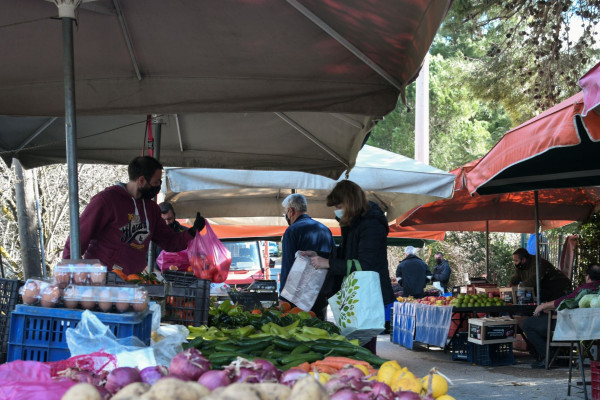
(414, 273)
(366, 241)
(441, 273)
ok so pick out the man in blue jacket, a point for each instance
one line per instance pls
(441, 271)
(304, 233)
(414, 273)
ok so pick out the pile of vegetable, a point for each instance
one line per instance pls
(284, 353)
(190, 377)
(228, 315)
(586, 298)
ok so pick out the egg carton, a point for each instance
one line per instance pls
(79, 272)
(106, 298)
(37, 291)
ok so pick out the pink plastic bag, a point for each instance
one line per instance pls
(25, 380)
(209, 258)
(178, 261)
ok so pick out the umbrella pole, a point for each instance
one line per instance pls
(157, 122)
(537, 247)
(487, 249)
(71, 134)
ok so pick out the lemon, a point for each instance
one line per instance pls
(387, 371)
(364, 369)
(321, 376)
(407, 384)
(392, 363)
(439, 386)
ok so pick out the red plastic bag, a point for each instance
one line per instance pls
(178, 261)
(208, 257)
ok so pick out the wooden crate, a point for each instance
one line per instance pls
(492, 330)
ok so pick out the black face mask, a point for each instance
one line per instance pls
(438, 261)
(150, 193)
(288, 220)
(172, 225)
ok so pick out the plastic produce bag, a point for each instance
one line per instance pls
(208, 257)
(177, 261)
(358, 306)
(303, 283)
(91, 335)
(25, 380)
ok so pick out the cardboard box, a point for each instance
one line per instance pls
(491, 291)
(492, 330)
(509, 294)
(472, 289)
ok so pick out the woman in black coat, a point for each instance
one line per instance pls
(364, 238)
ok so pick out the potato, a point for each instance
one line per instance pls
(241, 391)
(132, 391)
(308, 388)
(171, 388)
(82, 391)
(273, 391)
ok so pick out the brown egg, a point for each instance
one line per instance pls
(87, 299)
(62, 278)
(80, 278)
(51, 295)
(31, 292)
(123, 300)
(97, 278)
(105, 299)
(70, 297)
(140, 300)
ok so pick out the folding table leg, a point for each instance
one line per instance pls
(585, 396)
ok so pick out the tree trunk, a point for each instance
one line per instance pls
(25, 198)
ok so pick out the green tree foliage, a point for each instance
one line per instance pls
(525, 54)
(589, 246)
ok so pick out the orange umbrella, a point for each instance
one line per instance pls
(557, 149)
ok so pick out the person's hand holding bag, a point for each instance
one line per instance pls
(199, 224)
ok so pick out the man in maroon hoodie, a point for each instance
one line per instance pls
(118, 224)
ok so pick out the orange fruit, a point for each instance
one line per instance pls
(312, 314)
(296, 310)
(255, 311)
(285, 306)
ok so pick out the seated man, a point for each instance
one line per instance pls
(536, 327)
(414, 273)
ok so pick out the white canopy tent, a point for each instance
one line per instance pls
(395, 182)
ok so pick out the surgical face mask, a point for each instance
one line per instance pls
(339, 213)
(438, 261)
(150, 192)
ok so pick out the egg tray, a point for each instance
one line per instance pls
(113, 279)
(39, 333)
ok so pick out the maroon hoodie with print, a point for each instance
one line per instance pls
(117, 229)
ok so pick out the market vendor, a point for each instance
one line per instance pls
(536, 327)
(553, 283)
(118, 224)
(414, 274)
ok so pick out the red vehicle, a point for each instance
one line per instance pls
(249, 262)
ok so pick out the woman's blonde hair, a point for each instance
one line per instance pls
(352, 198)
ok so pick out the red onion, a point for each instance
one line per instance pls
(365, 396)
(344, 394)
(214, 379)
(381, 391)
(336, 383)
(151, 374)
(121, 377)
(269, 371)
(352, 372)
(189, 364)
(290, 376)
(248, 375)
(407, 395)
(104, 394)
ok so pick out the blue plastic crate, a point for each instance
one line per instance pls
(461, 347)
(492, 355)
(39, 333)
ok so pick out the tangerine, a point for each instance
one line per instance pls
(285, 306)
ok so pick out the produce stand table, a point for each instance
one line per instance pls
(574, 326)
(431, 324)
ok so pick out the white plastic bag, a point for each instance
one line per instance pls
(358, 306)
(303, 283)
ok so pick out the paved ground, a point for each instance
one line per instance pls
(516, 382)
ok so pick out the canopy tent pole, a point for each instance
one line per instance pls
(157, 122)
(71, 129)
(537, 247)
(487, 249)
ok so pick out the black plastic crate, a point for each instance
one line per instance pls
(262, 285)
(252, 300)
(179, 278)
(113, 279)
(461, 347)
(9, 298)
(492, 355)
(187, 305)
